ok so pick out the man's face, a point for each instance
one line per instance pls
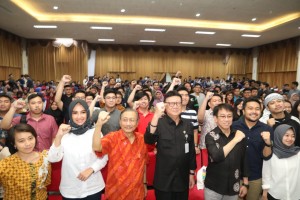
(173, 106)
(254, 93)
(236, 92)
(128, 121)
(68, 90)
(155, 86)
(35, 105)
(110, 100)
(262, 86)
(247, 94)
(112, 81)
(224, 119)
(79, 95)
(188, 87)
(88, 100)
(276, 106)
(252, 111)
(94, 90)
(185, 97)
(144, 102)
(197, 89)
(4, 104)
(214, 101)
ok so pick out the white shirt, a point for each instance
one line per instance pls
(78, 155)
(281, 177)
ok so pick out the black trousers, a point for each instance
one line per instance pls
(161, 195)
(96, 196)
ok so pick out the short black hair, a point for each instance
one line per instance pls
(223, 106)
(172, 93)
(251, 99)
(6, 96)
(108, 91)
(140, 95)
(182, 88)
(34, 95)
(295, 83)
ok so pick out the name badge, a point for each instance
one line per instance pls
(186, 147)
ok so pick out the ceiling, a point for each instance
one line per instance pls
(229, 19)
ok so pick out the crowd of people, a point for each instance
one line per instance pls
(247, 133)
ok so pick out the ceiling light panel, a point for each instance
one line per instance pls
(148, 41)
(223, 45)
(186, 42)
(205, 32)
(250, 35)
(155, 29)
(55, 7)
(44, 26)
(106, 40)
(101, 28)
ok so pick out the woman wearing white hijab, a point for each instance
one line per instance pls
(80, 175)
(281, 174)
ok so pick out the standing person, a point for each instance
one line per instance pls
(25, 174)
(228, 162)
(127, 152)
(287, 106)
(259, 145)
(44, 125)
(175, 160)
(206, 120)
(56, 113)
(80, 174)
(238, 109)
(281, 174)
(198, 93)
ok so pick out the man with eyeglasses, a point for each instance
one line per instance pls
(259, 145)
(109, 98)
(176, 157)
(227, 158)
(63, 100)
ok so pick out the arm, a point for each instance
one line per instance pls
(202, 108)
(92, 106)
(7, 119)
(145, 181)
(60, 89)
(102, 118)
(266, 177)
(175, 81)
(267, 150)
(104, 84)
(132, 94)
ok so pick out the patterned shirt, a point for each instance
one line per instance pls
(125, 167)
(22, 180)
(46, 129)
(208, 125)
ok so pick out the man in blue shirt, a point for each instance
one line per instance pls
(259, 145)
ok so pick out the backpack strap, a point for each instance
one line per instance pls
(23, 119)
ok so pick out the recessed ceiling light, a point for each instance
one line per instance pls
(101, 27)
(198, 15)
(223, 45)
(148, 41)
(155, 29)
(55, 7)
(205, 32)
(299, 27)
(44, 26)
(253, 19)
(106, 40)
(123, 10)
(186, 42)
(250, 35)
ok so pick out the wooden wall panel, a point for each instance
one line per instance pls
(277, 78)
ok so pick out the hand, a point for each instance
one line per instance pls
(84, 175)
(197, 150)
(63, 129)
(209, 95)
(178, 73)
(136, 104)
(264, 195)
(266, 136)
(160, 109)
(243, 191)
(117, 85)
(19, 104)
(239, 135)
(97, 98)
(103, 117)
(138, 87)
(66, 79)
(104, 84)
(271, 122)
(191, 181)
(176, 81)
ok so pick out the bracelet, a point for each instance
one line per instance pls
(153, 125)
(246, 185)
(192, 173)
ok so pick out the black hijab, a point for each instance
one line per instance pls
(279, 149)
(79, 129)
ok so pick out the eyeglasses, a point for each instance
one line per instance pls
(76, 98)
(131, 120)
(172, 104)
(225, 117)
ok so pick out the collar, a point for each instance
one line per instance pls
(28, 116)
(123, 136)
(171, 121)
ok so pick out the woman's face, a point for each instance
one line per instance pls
(54, 106)
(24, 142)
(144, 102)
(158, 95)
(229, 97)
(79, 114)
(240, 106)
(289, 138)
(119, 99)
(288, 107)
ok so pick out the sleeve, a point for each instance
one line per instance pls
(263, 144)
(215, 152)
(55, 154)
(150, 138)
(193, 163)
(54, 127)
(16, 120)
(244, 160)
(99, 163)
(266, 174)
(107, 143)
(95, 114)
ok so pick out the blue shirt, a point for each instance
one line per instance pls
(255, 145)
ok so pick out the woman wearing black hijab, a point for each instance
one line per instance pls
(281, 173)
(80, 175)
(56, 113)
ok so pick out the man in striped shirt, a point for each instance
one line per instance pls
(189, 114)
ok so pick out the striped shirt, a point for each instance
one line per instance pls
(190, 115)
